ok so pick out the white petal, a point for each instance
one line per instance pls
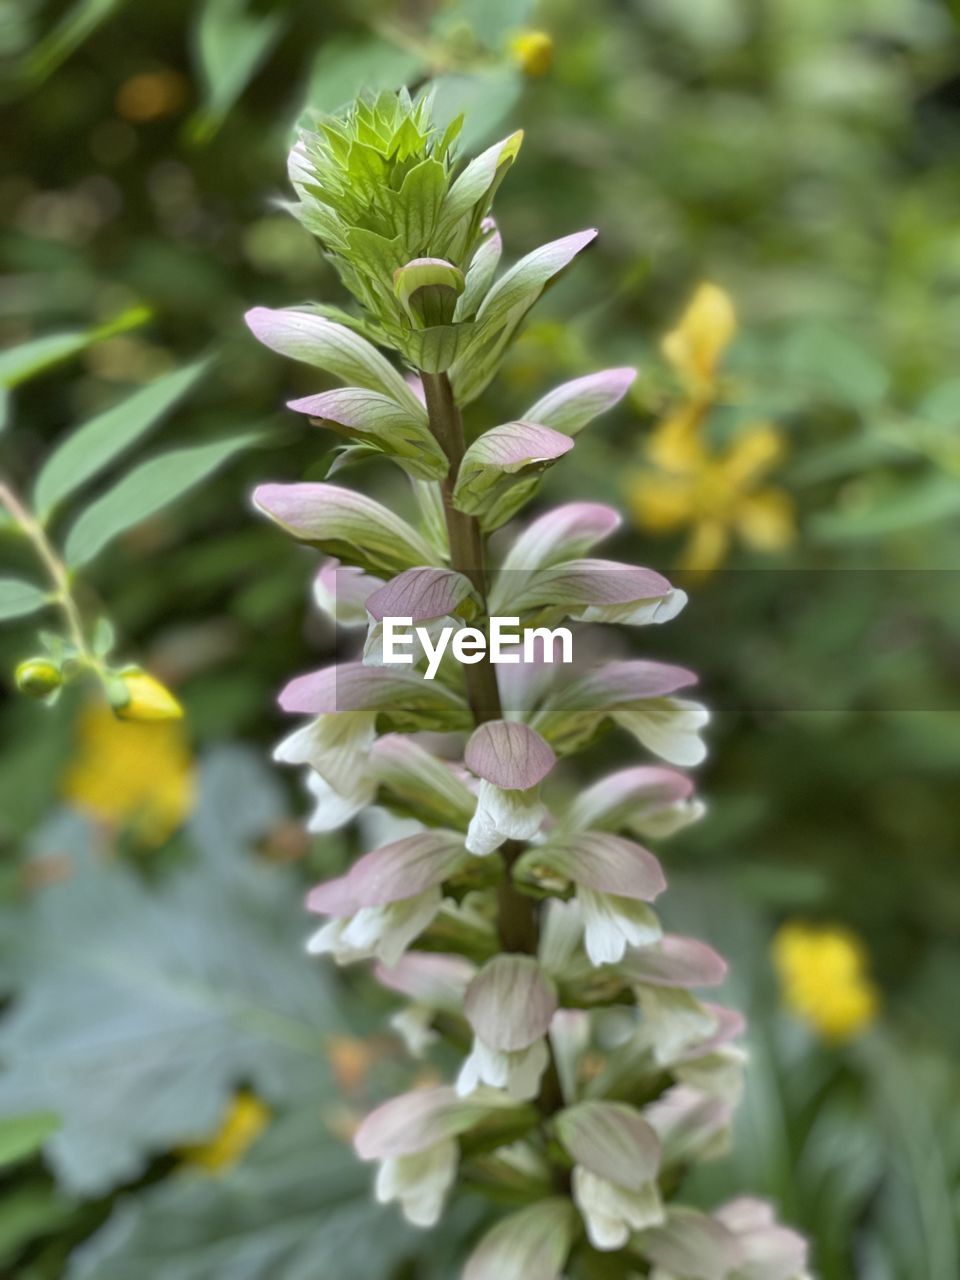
(336, 746)
(420, 1182)
(611, 1212)
(334, 810)
(503, 815)
(669, 727)
(612, 923)
(414, 1026)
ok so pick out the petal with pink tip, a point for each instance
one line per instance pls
(509, 754)
(510, 1003)
(568, 408)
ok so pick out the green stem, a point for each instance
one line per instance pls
(57, 570)
(517, 921)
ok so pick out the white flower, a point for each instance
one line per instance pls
(337, 748)
(419, 1182)
(610, 1211)
(383, 931)
(414, 1025)
(612, 923)
(503, 815)
(517, 1071)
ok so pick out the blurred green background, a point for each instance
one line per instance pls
(174, 1074)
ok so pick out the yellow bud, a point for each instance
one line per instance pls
(146, 699)
(38, 677)
(533, 50)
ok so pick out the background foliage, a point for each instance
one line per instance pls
(802, 155)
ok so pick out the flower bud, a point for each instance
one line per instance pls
(140, 696)
(533, 51)
(38, 677)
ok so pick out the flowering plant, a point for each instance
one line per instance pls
(515, 918)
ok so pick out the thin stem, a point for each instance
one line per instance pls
(517, 924)
(34, 532)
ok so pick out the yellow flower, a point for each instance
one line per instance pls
(824, 979)
(146, 699)
(134, 775)
(703, 333)
(533, 50)
(715, 494)
(245, 1120)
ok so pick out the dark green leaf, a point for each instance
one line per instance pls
(143, 492)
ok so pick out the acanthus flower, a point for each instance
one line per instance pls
(514, 918)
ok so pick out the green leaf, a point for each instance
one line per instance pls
(346, 66)
(93, 446)
(143, 492)
(22, 1136)
(297, 1207)
(914, 504)
(198, 983)
(30, 358)
(77, 25)
(28, 1212)
(18, 598)
(231, 44)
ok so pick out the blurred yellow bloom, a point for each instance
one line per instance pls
(715, 494)
(704, 332)
(151, 95)
(134, 775)
(147, 699)
(824, 979)
(533, 50)
(245, 1120)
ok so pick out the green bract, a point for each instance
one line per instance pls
(379, 189)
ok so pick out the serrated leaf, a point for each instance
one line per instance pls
(24, 1135)
(19, 598)
(143, 492)
(298, 1207)
(143, 1006)
(93, 446)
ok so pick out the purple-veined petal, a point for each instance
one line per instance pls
(345, 524)
(518, 289)
(568, 408)
(692, 1245)
(603, 862)
(510, 1003)
(621, 683)
(371, 418)
(500, 470)
(565, 532)
(351, 686)
(403, 869)
(433, 789)
(585, 585)
(629, 796)
(509, 754)
(612, 1140)
(675, 961)
(417, 1120)
(429, 978)
(690, 1124)
(302, 335)
(530, 1245)
(773, 1252)
(422, 594)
